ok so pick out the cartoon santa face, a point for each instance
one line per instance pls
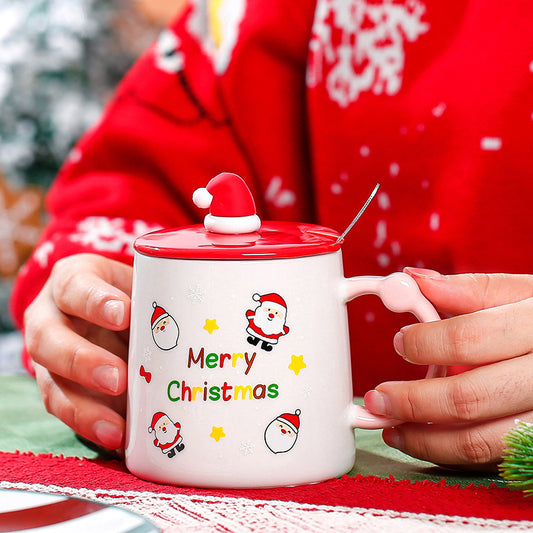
(270, 318)
(282, 432)
(165, 431)
(165, 330)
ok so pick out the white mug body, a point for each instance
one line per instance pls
(239, 372)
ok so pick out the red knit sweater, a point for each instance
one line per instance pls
(313, 103)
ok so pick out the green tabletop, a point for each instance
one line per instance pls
(26, 426)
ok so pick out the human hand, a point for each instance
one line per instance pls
(76, 332)
(459, 420)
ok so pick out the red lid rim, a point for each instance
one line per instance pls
(274, 240)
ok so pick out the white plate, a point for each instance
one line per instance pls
(52, 513)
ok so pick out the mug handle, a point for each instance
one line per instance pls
(399, 293)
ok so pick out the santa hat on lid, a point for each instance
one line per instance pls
(274, 300)
(232, 207)
(292, 420)
(158, 314)
(155, 420)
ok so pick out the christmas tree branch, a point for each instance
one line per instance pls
(517, 465)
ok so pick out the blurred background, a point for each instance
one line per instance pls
(59, 63)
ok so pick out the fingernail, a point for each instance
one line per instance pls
(114, 312)
(393, 437)
(398, 343)
(424, 273)
(378, 403)
(109, 434)
(107, 377)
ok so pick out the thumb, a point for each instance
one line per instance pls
(467, 293)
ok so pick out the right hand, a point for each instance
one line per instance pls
(76, 332)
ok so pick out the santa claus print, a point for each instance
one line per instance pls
(266, 323)
(282, 432)
(165, 330)
(167, 434)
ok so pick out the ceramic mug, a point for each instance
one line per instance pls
(239, 362)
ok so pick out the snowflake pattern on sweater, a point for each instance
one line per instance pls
(370, 54)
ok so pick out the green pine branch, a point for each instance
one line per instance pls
(517, 465)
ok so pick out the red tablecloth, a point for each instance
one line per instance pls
(361, 503)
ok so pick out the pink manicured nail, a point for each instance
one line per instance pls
(107, 377)
(393, 437)
(114, 312)
(424, 273)
(109, 434)
(378, 403)
(398, 343)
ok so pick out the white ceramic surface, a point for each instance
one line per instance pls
(206, 407)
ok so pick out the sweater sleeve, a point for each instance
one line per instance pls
(162, 135)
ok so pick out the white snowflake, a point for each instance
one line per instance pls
(247, 447)
(147, 354)
(396, 248)
(438, 110)
(491, 144)
(43, 252)
(307, 391)
(434, 221)
(381, 234)
(109, 234)
(277, 195)
(336, 188)
(364, 150)
(196, 293)
(370, 55)
(394, 169)
(383, 260)
(384, 201)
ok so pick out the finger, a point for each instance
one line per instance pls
(51, 343)
(483, 393)
(478, 446)
(115, 342)
(94, 288)
(477, 338)
(465, 293)
(88, 416)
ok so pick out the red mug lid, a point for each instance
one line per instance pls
(273, 240)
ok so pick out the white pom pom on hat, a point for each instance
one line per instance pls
(202, 198)
(232, 207)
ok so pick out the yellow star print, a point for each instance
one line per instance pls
(297, 363)
(217, 433)
(210, 325)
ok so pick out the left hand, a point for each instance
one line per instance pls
(460, 420)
